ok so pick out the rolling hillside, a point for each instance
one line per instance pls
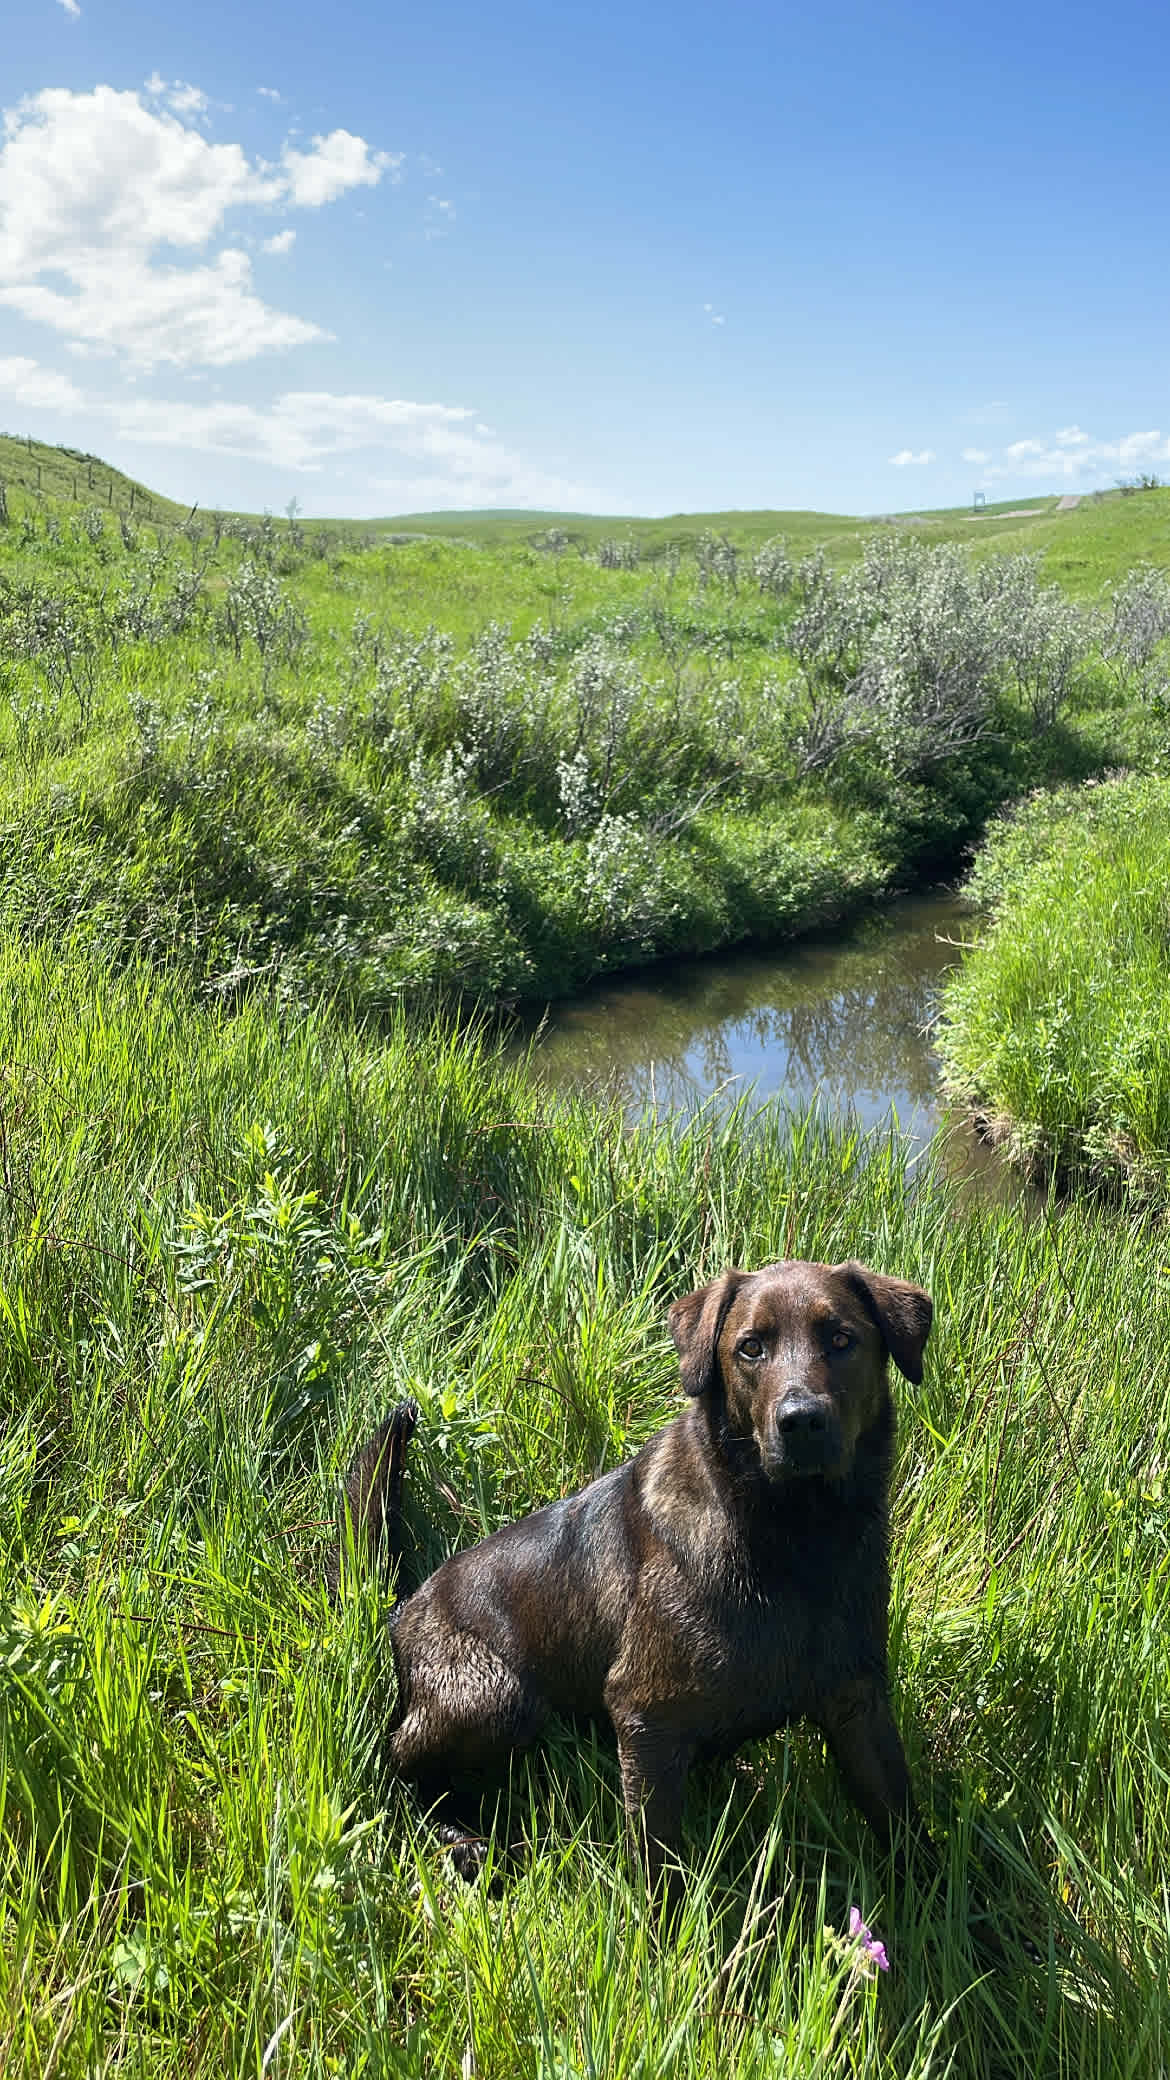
(1084, 548)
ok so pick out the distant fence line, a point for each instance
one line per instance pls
(134, 498)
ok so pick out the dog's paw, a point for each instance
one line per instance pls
(468, 1852)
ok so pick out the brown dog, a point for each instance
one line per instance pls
(732, 1577)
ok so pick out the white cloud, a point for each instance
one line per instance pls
(209, 314)
(281, 242)
(99, 172)
(187, 100)
(105, 202)
(336, 162)
(907, 456)
(71, 8)
(1143, 447)
(976, 455)
(304, 428)
(282, 433)
(269, 93)
(1072, 453)
(432, 454)
(178, 94)
(26, 382)
(448, 459)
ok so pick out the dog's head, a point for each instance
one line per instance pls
(797, 1354)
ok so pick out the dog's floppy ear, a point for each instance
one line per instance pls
(695, 1323)
(903, 1313)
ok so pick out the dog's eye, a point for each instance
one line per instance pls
(841, 1339)
(751, 1347)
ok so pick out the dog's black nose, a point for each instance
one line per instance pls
(798, 1420)
(806, 1434)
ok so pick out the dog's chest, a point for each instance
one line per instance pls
(758, 1653)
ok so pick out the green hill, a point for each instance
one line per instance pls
(68, 476)
(1084, 548)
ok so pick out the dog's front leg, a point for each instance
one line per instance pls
(867, 1749)
(654, 1765)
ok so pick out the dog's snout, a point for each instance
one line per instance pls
(805, 1434)
(804, 1418)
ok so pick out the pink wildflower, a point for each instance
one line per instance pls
(867, 1940)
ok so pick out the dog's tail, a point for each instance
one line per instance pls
(372, 1528)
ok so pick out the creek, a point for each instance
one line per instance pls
(845, 1021)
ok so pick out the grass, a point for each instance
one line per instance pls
(67, 479)
(229, 1242)
(1057, 1025)
(1084, 549)
(401, 770)
(1094, 545)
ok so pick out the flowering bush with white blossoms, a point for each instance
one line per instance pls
(908, 653)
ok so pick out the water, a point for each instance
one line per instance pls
(845, 1020)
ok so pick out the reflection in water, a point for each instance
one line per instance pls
(843, 1020)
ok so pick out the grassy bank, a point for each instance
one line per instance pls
(228, 1242)
(1057, 1026)
(391, 769)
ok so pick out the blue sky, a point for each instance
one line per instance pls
(378, 259)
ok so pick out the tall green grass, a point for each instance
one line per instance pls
(1057, 1024)
(226, 1243)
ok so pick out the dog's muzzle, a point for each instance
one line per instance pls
(804, 1437)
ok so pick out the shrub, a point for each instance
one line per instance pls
(1138, 626)
(772, 568)
(908, 654)
(624, 888)
(257, 609)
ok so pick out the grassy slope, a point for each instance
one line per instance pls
(1057, 1025)
(1084, 549)
(237, 814)
(244, 813)
(227, 1243)
(67, 479)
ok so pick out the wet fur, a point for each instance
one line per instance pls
(730, 1578)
